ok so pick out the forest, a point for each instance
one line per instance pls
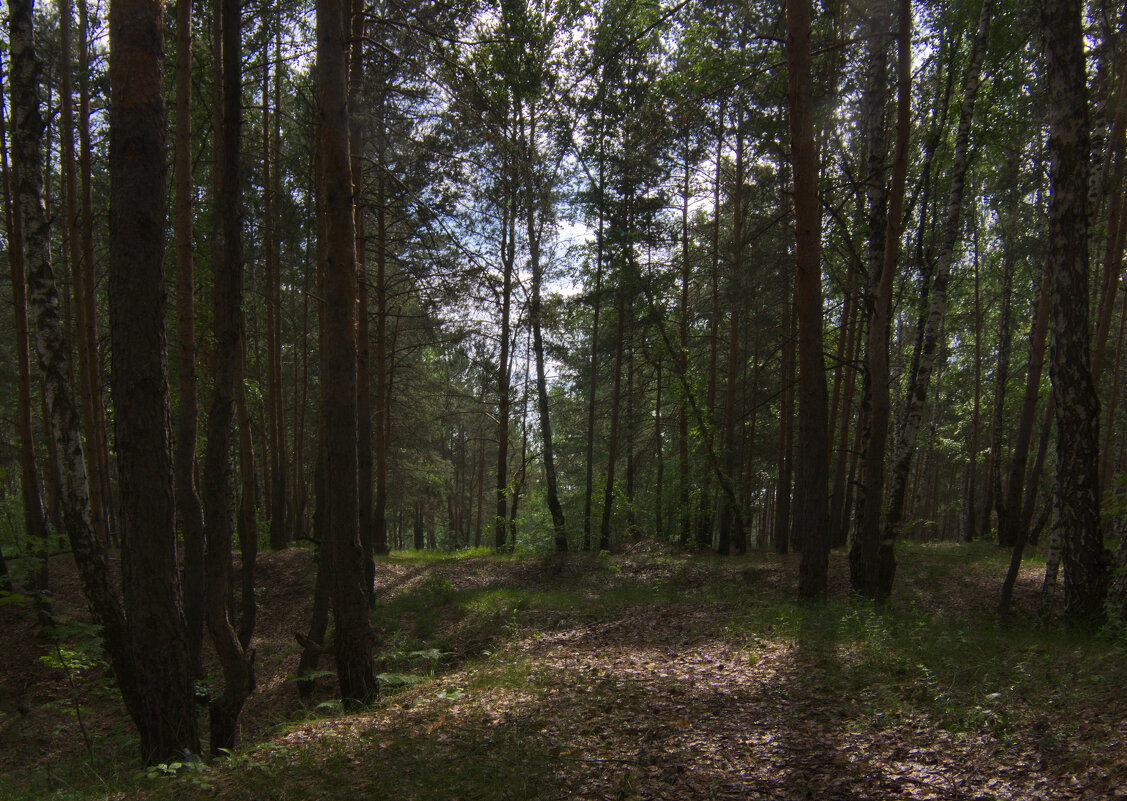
(366, 354)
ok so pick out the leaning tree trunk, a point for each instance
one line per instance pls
(811, 501)
(937, 307)
(1011, 524)
(354, 640)
(1077, 408)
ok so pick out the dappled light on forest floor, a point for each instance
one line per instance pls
(660, 675)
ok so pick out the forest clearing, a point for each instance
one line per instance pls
(648, 675)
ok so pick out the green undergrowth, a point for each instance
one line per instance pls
(451, 647)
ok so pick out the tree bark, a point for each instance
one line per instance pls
(865, 557)
(101, 494)
(189, 512)
(365, 478)
(354, 640)
(227, 293)
(142, 417)
(275, 459)
(58, 397)
(811, 503)
(1077, 407)
(35, 519)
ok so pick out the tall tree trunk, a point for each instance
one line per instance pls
(142, 418)
(865, 557)
(58, 397)
(382, 411)
(363, 350)
(35, 519)
(227, 293)
(101, 494)
(704, 523)
(354, 640)
(534, 205)
(729, 425)
(274, 459)
(970, 476)
(592, 387)
(811, 504)
(189, 512)
(683, 361)
(504, 373)
(612, 441)
(1077, 407)
(928, 338)
(73, 236)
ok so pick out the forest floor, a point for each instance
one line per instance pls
(650, 674)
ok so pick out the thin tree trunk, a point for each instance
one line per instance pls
(592, 388)
(73, 237)
(1011, 519)
(534, 204)
(382, 421)
(704, 523)
(683, 362)
(275, 459)
(189, 512)
(928, 338)
(227, 292)
(728, 426)
(363, 350)
(970, 478)
(504, 377)
(101, 494)
(993, 477)
(612, 442)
